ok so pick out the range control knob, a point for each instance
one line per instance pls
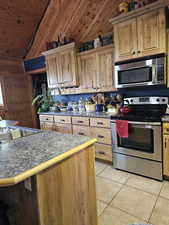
(131, 101)
(157, 99)
(163, 100)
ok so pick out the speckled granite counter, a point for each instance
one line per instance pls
(26, 156)
(92, 114)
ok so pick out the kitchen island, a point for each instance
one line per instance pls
(48, 178)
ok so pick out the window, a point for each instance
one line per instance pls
(1, 97)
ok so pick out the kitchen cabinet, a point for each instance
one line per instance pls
(125, 39)
(52, 70)
(105, 72)
(166, 149)
(46, 126)
(140, 33)
(87, 71)
(61, 66)
(63, 128)
(95, 69)
(85, 126)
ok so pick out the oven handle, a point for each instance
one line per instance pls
(142, 123)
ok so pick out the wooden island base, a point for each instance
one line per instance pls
(64, 194)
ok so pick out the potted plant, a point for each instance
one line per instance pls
(43, 102)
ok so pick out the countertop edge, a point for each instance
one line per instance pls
(23, 176)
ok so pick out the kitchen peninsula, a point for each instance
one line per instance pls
(48, 178)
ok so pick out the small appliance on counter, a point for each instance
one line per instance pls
(140, 149)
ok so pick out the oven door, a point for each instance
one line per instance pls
(144, 140)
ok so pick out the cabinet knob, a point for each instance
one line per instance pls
(102, 153)
(100, 136)
(139, 51)
(134, 53)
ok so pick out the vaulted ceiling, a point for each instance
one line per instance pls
(18, 23)
(26, 25)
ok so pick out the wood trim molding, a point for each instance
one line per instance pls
(61, 48)
(96, 50)
(138, 12)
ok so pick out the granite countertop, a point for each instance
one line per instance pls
(23, 155)
(85, 114)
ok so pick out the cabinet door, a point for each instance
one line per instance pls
(63, 128)
(67, 69)
(46, 126)
(125, 40)
(105, 73)
(87, 71)
(166, 155)
(52, 71)
(151, 33)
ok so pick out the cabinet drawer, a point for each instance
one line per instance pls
(81, 130)
(80, 121)
(46, 118)
(100, 122)
(103, 135)
(166, 128)
(62, 119)
(104, 152)
(63, 128)
(46, 125)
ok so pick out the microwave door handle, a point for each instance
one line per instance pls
(154, 73)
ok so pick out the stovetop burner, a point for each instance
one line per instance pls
(147, 109)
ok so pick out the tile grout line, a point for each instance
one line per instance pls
(155, 204)
(108, 204)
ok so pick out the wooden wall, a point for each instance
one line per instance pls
(16, 87)
(80, 19)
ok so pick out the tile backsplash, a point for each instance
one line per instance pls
(134, 92)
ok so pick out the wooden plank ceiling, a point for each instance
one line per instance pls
(80, 19)
(18, 22)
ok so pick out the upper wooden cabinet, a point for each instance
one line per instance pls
(95, 69)
(141, 32)
(151, 33)
(61, 66)
(125, 40)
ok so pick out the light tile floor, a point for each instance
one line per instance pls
(124, 198)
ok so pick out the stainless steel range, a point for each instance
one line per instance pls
(141, 151)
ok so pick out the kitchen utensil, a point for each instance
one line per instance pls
(99, 107)
(90, 107)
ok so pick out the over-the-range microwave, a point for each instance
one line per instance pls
(141, 72)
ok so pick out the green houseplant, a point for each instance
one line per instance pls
(43, 102)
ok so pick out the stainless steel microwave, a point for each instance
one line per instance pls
(150, 71)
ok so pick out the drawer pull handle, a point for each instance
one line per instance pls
(47, 119)
(100, 123)
(100, 136)
(102, 153)
(80, 121)
(80, 133)
(62, 120)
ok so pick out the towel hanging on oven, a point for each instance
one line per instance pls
(122, 128)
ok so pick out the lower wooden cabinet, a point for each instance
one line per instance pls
(104, 152)
(81, 130)
(46, 126)
(166, 155)
(103, 135)
(98, 128)
(63, 128)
